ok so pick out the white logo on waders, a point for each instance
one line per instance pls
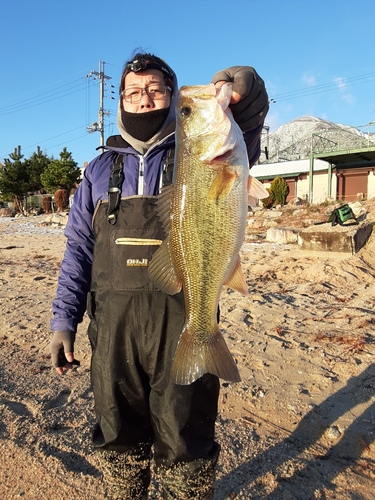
(137, 262)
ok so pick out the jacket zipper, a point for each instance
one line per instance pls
(141, 175)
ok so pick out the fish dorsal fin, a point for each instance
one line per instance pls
(256, 189)
(237, 280)
(161, 270)
(222, 184)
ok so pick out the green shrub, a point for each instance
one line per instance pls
(279, 190)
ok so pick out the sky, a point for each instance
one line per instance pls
(316, 58)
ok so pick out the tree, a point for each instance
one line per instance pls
(38, 164)
(61, 174)
(15, 179)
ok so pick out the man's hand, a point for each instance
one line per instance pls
(236, 97)
(62, 350)
(249, 102)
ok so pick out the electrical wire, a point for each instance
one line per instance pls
(38, 100)
(325, 87)
(48, 85)
(67, 142)
(59, 92)
(50, 139)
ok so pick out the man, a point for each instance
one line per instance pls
(134, 327)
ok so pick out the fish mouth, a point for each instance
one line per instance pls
(222, 158)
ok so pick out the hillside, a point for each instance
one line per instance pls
(292, 141)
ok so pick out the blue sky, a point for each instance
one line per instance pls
(316, 58)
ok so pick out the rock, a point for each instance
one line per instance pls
(298, 212)
(255, 223)
(296, 201)
(57, 219)
(358, 208)
(270, 223)
(7, 212)
(282, 235)
(273, 214)
(327, 238)
(334, 432)
(36, 211)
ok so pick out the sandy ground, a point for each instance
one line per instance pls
(300, 424)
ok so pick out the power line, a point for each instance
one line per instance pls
(77, 85)
(67, 142)
(43, 94)
(50, 138)
(55, 136)
(48, 85)
(333, 83)
(36, 101)
(325, 87)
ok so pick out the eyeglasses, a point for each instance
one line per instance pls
(155, 91)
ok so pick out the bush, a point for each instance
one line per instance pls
(268, 202)
(62, 199)
(279, 190)
(47, 204)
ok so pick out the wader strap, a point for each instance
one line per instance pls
(114, 189)
(168, 167)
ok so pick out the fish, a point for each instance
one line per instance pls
(204, 212)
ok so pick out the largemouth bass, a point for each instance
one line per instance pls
(205, 212)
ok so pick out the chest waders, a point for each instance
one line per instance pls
(134, 330)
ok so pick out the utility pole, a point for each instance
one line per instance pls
(99, 125)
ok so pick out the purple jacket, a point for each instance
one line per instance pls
(74, 281)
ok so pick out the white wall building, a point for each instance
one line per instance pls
(329, 181)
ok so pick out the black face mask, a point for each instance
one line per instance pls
(143, 126)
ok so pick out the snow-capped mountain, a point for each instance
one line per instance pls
(293, 140)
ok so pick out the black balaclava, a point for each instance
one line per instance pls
(143, 126)
(142, 130)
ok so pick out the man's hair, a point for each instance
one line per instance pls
(144, 60)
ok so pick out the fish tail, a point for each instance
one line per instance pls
(193, 359)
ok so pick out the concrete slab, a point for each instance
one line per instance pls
(282, 235)
(327, 238)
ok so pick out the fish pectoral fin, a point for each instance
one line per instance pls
(256, 189)
(162, 272)
(195, 358)
(222, 184)
(237, 280)
(164, 204)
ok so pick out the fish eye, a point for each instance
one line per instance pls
(185, 111)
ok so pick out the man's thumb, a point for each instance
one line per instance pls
(69, 356)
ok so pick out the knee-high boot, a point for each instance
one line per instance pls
(126, 475)
(188, 480)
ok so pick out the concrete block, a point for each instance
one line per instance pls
(282, 235)
(328, 238)
(57, 219)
